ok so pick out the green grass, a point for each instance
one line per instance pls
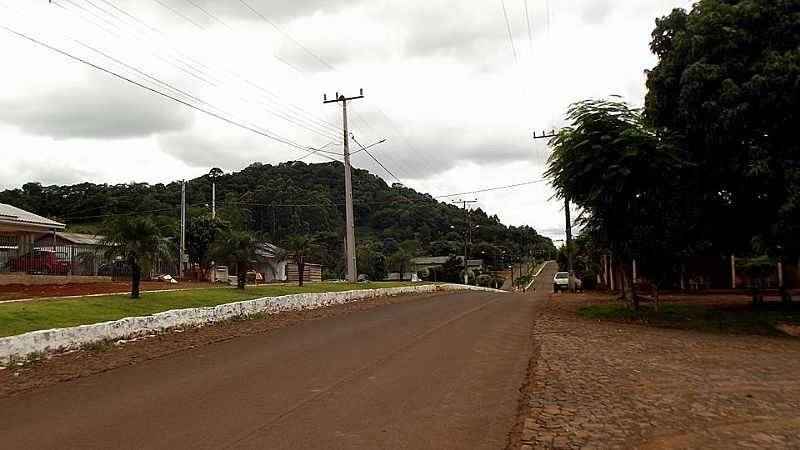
(17, 318)
(726, 319)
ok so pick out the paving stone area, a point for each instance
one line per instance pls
(606, 385)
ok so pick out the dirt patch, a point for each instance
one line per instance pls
(19, 291)
(101, 357)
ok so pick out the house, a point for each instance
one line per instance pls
(431, 262)
(19, 230)
(83, 251)
(312, 273)
(272, 262)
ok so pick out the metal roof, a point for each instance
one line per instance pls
(15, 216)
(267, 250)
(76, 238)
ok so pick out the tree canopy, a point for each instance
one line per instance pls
(275, 201)
(728, 81)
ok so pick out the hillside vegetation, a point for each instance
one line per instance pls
(275, 201)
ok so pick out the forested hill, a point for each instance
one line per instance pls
(291, 198)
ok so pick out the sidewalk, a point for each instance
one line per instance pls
(608, 385)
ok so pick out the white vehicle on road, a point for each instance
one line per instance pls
(561, 282)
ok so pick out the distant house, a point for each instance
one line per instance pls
(431, 262)
(312, 273)
(272, 262)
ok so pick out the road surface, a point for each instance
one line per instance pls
(441, 372)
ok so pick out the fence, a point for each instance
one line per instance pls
(73, 259)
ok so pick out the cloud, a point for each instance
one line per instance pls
(278, 11)
(100, 108)
(596, 11)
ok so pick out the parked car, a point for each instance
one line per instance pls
(561, 282)
(41, 261)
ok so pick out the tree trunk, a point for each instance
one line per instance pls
(655, 296)
(301, 271)
(241, 275)
(786, 295)
(628, 293)
(136, 276)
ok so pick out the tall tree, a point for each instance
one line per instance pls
(300, 247)
(201, 232)
(728, 80)
(620, 173)
(138, 242)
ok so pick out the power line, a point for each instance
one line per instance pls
(528, 20)
(302, 118)
(276, 138)
(287, 35)
(330, 66)
(298, 121)
(508, 26)
(498, 188)
(375, 159)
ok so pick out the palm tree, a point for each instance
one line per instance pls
(138, 242)
(300, 247)
(237, 249)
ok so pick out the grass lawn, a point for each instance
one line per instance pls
(717, 318)
(17, 318)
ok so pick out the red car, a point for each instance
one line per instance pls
(41, 261)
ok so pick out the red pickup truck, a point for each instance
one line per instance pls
(40, 261)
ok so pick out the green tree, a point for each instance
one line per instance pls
(301, 247)
(401, 261)
(138, 242)
(237, 249)
(201, 232)
(621, 174)
(728, 80)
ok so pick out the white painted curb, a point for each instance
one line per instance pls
(20, 346)
(536, 275)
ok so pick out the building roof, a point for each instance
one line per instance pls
(441, 260)
(11, 215)
(427, 260)
(77, 238)
(267, 250)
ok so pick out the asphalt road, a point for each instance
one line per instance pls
(441, 372)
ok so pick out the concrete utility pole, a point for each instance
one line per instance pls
(570, 260)
(183, 229)
(213, 200)
(467, 234)
(350, 234)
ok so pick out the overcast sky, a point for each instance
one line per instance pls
(456, 98)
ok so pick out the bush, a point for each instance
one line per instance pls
(485, 281)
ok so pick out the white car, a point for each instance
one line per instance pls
(561, 282)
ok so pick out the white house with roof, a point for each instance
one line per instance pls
(19, 230)
(24, 227)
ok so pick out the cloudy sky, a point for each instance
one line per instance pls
(455, 89)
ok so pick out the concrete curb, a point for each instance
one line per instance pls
(536, 275)
(23, 345)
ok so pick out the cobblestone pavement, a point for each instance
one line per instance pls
(609, 385)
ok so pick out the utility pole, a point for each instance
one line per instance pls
(570, 260)
(183, 229)
(213, 200)
(350, 234)
(467, 234)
